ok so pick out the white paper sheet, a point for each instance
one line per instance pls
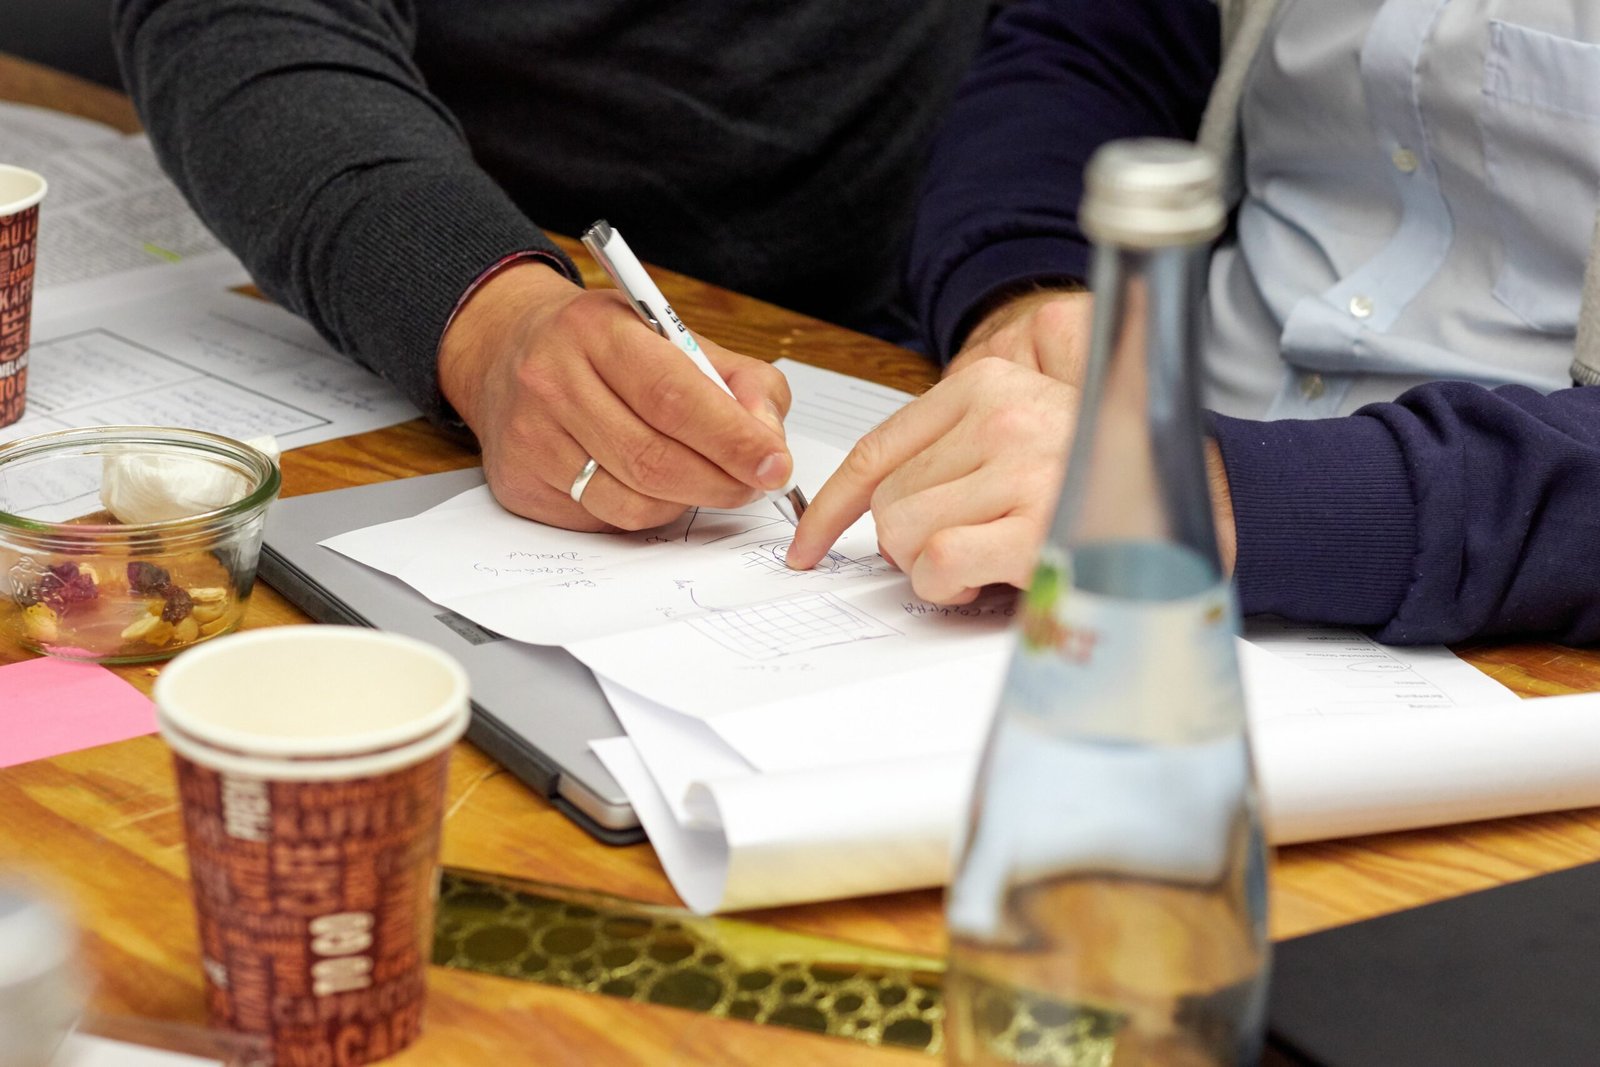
(803, 650)
(1344, 775)
(822, 834)
(833, 408)
(32, 135)
(702, 615)
(936, 709)
(547, 586)
(112, 226)
(735, 834)
(203, 359)
(677, 750)
(1347, 671)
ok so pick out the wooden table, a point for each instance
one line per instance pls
(103, 824)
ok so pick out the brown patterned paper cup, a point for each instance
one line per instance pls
(311, 772)
(20, 194)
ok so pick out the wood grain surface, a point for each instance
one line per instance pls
(101, 826)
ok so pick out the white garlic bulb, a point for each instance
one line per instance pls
(149, 488)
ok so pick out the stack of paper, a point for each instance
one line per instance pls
(113, 233)
(797, 737)
(112, 226)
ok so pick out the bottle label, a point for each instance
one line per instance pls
(1132, 665)
(1119, 750)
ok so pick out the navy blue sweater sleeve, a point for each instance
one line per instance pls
(1053, 81)
(1453, 512)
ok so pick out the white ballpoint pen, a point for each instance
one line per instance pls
(628, 274)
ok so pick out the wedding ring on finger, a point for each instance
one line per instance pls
(581, 482)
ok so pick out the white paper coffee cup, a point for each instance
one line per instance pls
(311, 765)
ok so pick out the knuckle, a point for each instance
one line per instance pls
(667, 404)
(578, 317)
(941, 558)
(524, 439)
(536, 378)
(1019, 565)
(649, 463)
(866, 459)
(1014, 420)
(989, 371)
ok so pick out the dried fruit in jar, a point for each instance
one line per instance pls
(146, 577)
(175, 615)
(178, 604)
(63, 585)
(124, 608)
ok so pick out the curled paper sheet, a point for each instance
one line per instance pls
(1341, 776)
(764, 840)
(147, 488)
(733, 837)
(889, 827)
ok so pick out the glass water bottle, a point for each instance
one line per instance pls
(1109, 903)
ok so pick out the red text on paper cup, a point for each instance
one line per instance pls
(19, 243)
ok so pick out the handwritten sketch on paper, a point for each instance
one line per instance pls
(549, 586)
(691, 614)
(703, 614)
(785, 627)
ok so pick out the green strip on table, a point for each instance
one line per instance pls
(656, 955)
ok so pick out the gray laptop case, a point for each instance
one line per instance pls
(535, 709)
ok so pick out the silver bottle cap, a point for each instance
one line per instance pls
(1150, 193)
(40, 995)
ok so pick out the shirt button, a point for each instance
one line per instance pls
(1312, 386)
(1361, 306)
(1405, 160)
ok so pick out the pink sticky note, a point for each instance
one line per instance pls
(51, 706)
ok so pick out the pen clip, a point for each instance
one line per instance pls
(595, 239)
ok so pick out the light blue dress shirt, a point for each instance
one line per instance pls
(1421, 182)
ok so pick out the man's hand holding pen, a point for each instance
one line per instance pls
(550, 376)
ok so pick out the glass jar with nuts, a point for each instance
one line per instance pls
(86, 574)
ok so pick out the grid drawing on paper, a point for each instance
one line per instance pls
(784, 627)
(771, 557)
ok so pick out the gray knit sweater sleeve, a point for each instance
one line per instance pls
(304, 136)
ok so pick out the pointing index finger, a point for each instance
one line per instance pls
(847, 494)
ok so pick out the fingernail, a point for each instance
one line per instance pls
(773, 471)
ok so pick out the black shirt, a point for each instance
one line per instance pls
(368, 158)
